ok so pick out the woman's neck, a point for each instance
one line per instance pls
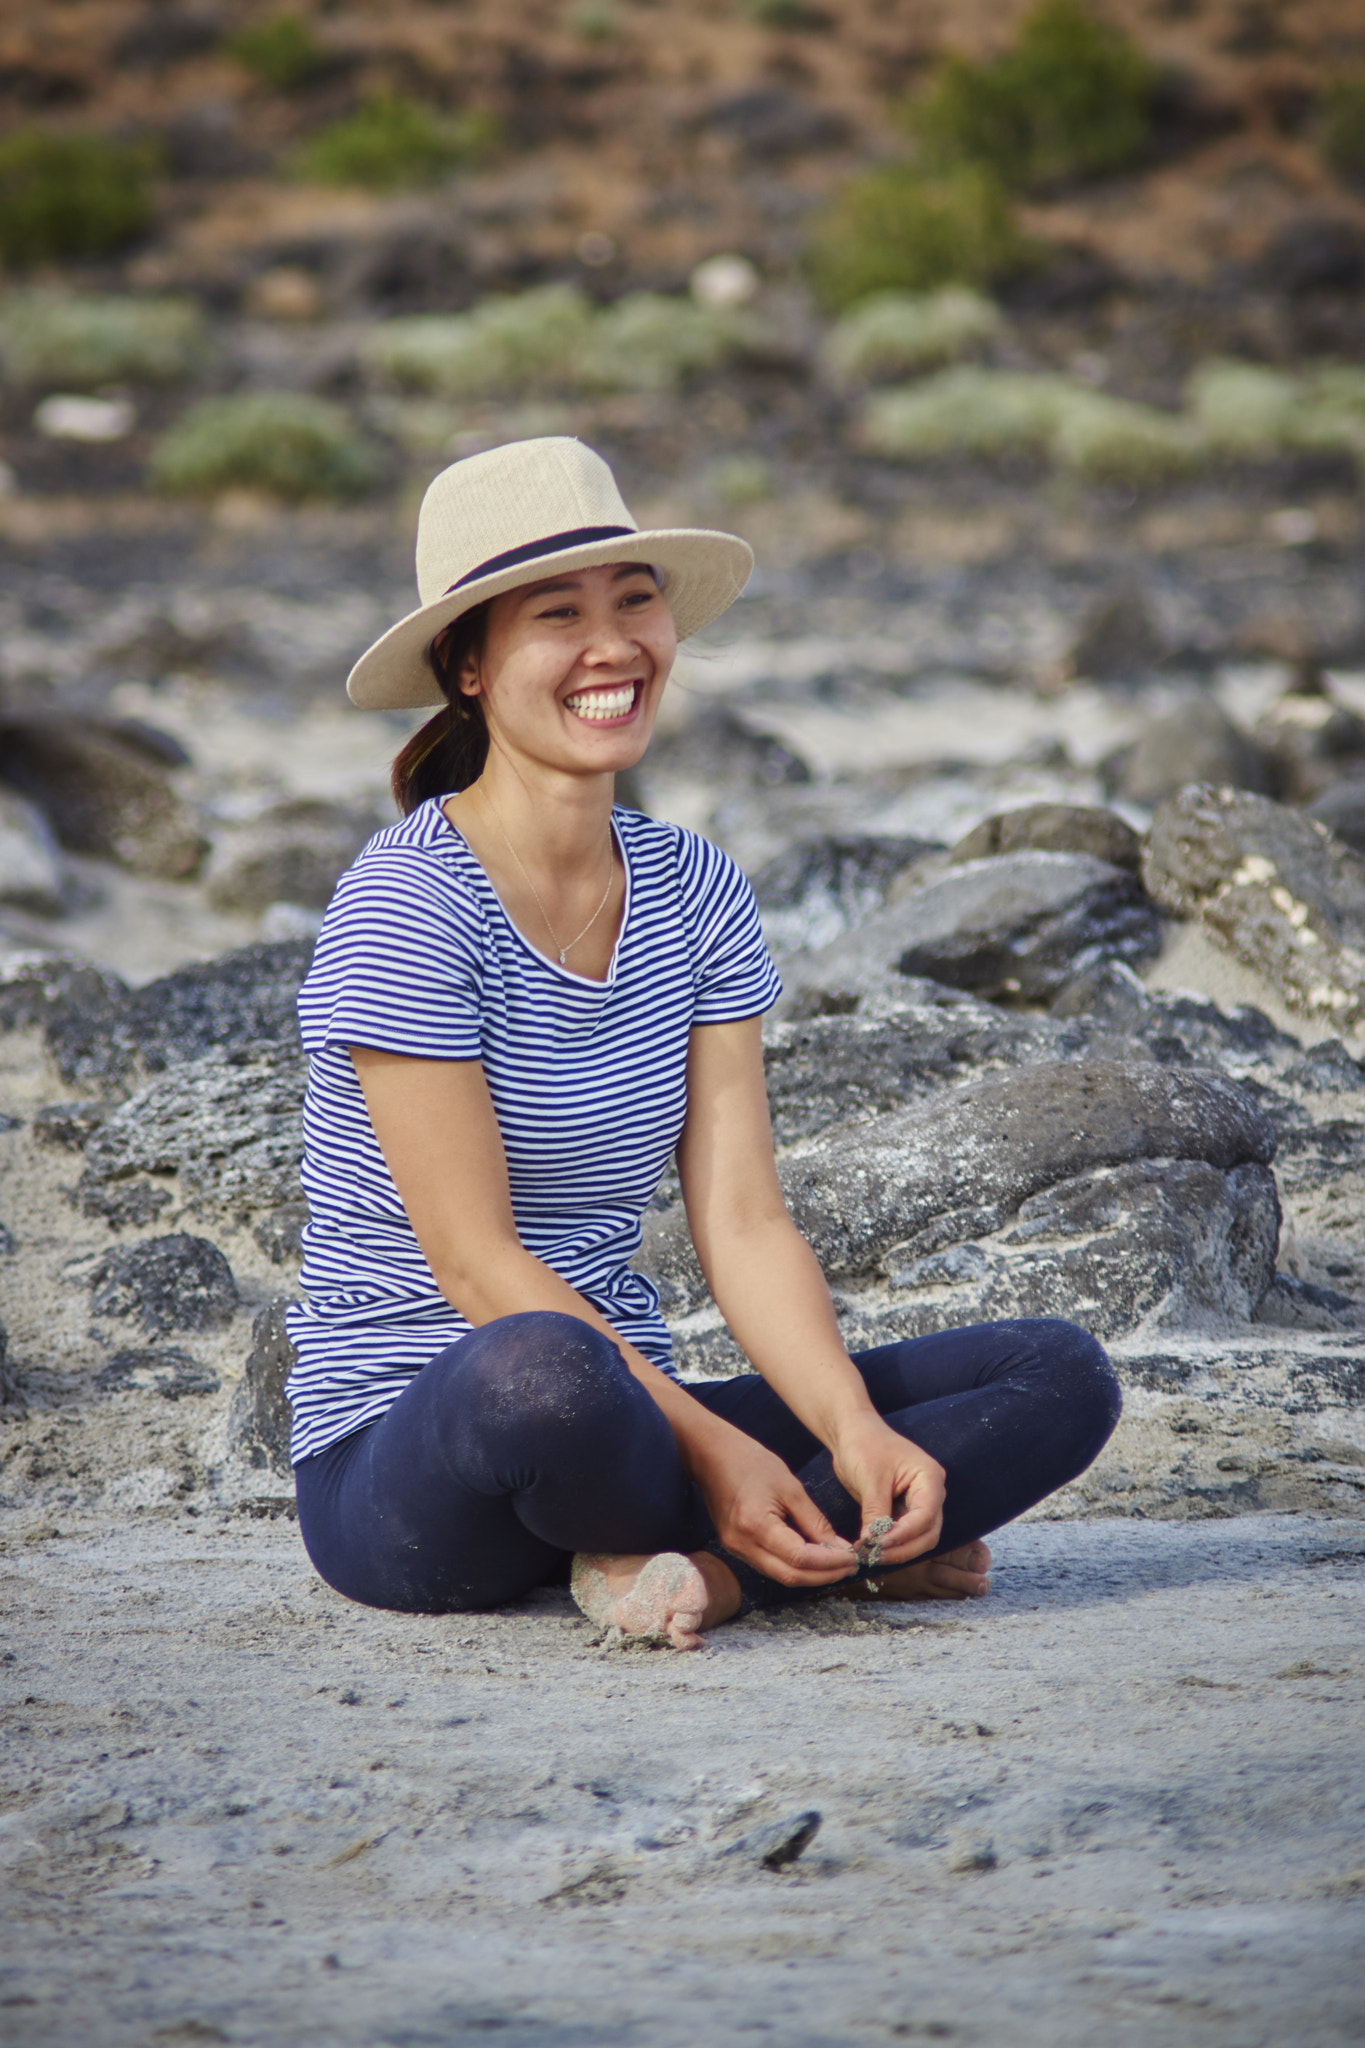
(557, 825)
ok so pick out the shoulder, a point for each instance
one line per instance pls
(418, 856)
(698, 867)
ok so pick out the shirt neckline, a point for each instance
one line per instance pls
(582, 981)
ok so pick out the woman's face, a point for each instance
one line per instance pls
(572, 668)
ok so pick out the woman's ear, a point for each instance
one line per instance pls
(468, 680)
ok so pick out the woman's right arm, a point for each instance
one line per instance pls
(435, 1124)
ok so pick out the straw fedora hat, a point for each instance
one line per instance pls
(513, 515)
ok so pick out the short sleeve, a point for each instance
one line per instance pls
(733, 969)
(398, 962)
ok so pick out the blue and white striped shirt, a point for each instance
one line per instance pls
(588, 1079)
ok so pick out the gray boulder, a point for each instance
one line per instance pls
(716, 747)
(1341, 808)
(102, 793)
(99, 1030)
(818, 888)
(1119, 639)
(1018, 926)
(1274, 887)
(167, 1283)
(873, 1198)
(259, 1418)
(230, 1125)
(1197, 742)
(1054, 828)
(1310, 742)
(31, 876)
(292, 853)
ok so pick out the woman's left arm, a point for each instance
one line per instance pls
(770, 1289)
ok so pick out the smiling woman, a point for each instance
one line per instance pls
(523, 1002)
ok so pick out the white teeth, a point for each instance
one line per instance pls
(602, 704)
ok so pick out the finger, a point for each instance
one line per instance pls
(806, 1517)
(779, 1553)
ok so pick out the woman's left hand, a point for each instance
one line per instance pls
(889, 1476)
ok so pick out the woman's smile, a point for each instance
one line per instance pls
(605, 703)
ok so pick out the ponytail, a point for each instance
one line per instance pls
(448, 752)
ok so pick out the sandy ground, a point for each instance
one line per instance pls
(1120, 1800)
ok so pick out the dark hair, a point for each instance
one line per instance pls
(448, 752)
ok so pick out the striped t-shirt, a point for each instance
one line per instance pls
(588, 1079)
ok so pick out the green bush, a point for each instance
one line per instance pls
(894, 334)
(391, 143)
(552, 340)
(994, 413)
(1072, 99)
(780, 13)
(898, 229)
(71, 195)
(288, 443)
(743, 478)
(1342, 128)
(647, 342)
(282, 52)
(63, 342)
(509, 347)
(1243, 408)
(595, 21)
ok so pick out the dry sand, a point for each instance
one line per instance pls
(1119, 1800)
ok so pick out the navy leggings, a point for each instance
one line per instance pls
(531, 1439)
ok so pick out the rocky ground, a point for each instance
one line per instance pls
(1052, 787)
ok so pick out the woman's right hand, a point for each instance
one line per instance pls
(763, 1514)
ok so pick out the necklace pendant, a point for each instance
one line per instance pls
(564, 956)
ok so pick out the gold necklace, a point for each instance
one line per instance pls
(563, 951)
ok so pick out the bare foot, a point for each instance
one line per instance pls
(667, 1596)
(957, 1575)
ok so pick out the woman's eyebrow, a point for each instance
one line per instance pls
(548, 588)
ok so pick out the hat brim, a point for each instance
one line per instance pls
(702, 573)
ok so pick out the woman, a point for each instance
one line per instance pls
(523, 1003)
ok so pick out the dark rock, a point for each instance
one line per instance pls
(31, 867)
(767, 122)
(259, 1418)
(101, 794)
(865, 1191)
(280, 1236)
(69, 997)
(230, 1124)
(1054, 828)
(1197, 742)
(1310, 743)
(162, 747)
(11, 1393)
(1019, 926)
(779, 1842)
(1315, 252)
(1327, 1069)
(206, 142)
(1120, 638)
(1109, 992)
(1341, 808)
(69, 1124)
(6, 1242)
(1292, 1304)
(717, 748)
(164, 35)
(163, 1370)
(167, 1283)
(1271, 885)
(814, 890)
(122, 1204)
(292, 853)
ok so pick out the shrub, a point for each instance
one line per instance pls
(390, 143)
(288, 443)
(511, 346)
(282, 52)
(61, 341)
(647, 342)
(1342, 128)
(780, 13)
(896, 229)
(552, 339)
(1111, 440)
(1243, 408)
(595, 21)
(895, 333)
(70, 195)
(977, 412)
(740, 479)
(1072, 99)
